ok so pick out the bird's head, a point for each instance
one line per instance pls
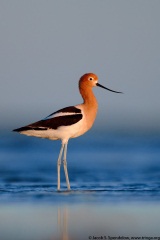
(91, 80)
(88, 80)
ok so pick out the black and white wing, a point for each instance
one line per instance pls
(63, 117)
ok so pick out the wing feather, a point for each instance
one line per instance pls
(63, 117)
(65, 111)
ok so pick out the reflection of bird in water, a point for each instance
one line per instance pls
(63, 223)
(69, 122)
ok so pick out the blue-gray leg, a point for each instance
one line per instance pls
(59, 166)
(65, 166)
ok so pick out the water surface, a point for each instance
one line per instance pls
(115, 187)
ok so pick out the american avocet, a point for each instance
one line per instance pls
(69, 122)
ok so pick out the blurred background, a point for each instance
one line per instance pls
(45, 47)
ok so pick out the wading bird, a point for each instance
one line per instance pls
(69, 122)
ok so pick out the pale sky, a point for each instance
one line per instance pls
(46, 46)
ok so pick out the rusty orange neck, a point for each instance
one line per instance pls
(89, 99)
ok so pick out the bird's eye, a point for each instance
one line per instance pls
(90, 78)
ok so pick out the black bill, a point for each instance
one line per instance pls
(99, 85)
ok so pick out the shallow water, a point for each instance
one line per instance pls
(115, 187)
(79, 222)
(104, 167)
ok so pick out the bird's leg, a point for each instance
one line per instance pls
(59, 166)
(65, 166)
